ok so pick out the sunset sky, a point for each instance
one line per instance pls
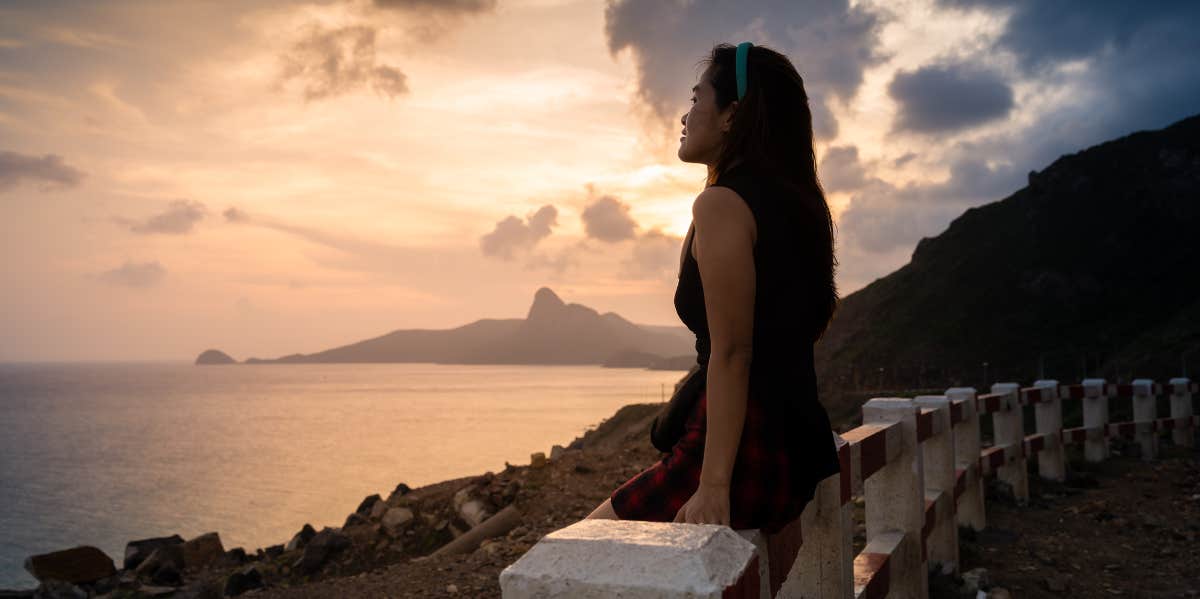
(270, 177)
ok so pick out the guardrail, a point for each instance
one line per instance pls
(917, 463)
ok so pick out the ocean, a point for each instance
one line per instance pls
(104, 453)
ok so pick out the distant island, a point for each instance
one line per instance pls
(553, 333)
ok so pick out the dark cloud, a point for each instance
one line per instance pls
(179, 218)
(50, 170)
(446, 6)
(829, 42)
(135, 274)
(332, 62)
(948, 97)
(513, 234)
(1043, 33)
(840, 169)
(608, 219)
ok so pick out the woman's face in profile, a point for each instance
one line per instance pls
(703, 126)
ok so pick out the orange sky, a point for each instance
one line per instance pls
(193, 175)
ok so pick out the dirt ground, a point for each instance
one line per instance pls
(1122, 527)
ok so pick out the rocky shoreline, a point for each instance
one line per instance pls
(452, 539)
(452, 517)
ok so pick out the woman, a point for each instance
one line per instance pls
(756, 287)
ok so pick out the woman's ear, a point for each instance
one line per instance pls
(727, 122)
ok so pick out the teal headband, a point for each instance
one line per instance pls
(743, 50)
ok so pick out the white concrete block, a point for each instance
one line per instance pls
(630, 559)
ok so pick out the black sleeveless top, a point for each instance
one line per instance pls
(783, 379)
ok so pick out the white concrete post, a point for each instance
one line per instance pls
(1009, 429)
(1052, 463)
(825, 565)
(970, 510)
(937, 451)
(1095, 420)
(1181, 407)
(1145, 412)
(895, 497)
(591, 559)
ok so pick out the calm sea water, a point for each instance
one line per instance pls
(100, 454)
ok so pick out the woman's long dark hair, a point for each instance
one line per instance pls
(772, 130)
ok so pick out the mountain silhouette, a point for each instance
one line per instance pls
(553, 332)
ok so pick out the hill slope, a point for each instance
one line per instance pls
(1091, 268)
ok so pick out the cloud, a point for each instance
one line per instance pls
(883, 217)
(513, 234)
(830, 43)
(840, 169)
(608, 219)
(136, 274)
(332, 62)
(444, 6)
(1042, 33)
(949, 97)
(655, 255)
(49, 169)
(179, 218)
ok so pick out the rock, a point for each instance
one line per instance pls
(202, 551)
(362, 535)
(137, 551)
(974, 580)
(166, 555)
(379, 509)
(167, 575)
(450, 588)
(326, 543)
(102, 586)
(355, 519)
(234, 557)
(301, 539)
(58, 589)
(214, 356)
(395, 518)
(538, 460)
(557, 452)
(471, 509)
(400, 491)
(243, 580)
(364, 508)
(273, 551)
(1055, 583)
(77, 564)
(999, 593)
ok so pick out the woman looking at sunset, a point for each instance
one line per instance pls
(756, 286)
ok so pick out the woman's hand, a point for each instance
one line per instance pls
(708, 505)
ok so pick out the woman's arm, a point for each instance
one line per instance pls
(724, 241)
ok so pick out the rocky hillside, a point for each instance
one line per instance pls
(1089, 269)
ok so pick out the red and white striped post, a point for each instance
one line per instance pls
(1145, 412)
(1095, 420)
(1184, 432)
(1047, 413)
(895, 503)
(969, 483)
(1009, 431)
(937, 450)
(825, 565)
